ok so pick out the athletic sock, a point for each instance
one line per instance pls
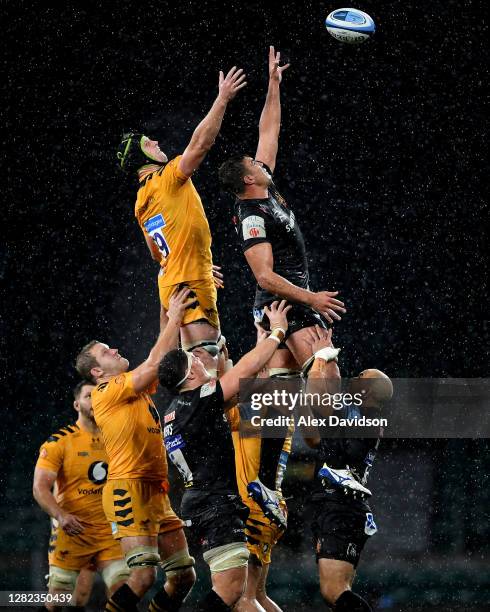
(123, 600)
(350, 602)
(162, 602)
(213, 603)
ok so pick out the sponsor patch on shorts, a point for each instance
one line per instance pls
(253, 227)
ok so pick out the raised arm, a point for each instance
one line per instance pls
(270, 119)
(42, 491)
(146, 374)
(251, 363)
(205, 134)
(261, 261)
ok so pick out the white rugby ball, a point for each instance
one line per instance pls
(350, 25)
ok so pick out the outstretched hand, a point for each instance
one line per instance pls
(277, 314)
(319, 338)
(230, 85)
(275, 71)
(178, 303)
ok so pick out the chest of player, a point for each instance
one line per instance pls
(85, 461)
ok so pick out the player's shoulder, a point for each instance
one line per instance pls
(64, 433)
(106, 386)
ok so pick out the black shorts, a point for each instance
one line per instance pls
(299, 317)
(340, 530)
(213, 519)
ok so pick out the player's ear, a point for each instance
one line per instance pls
(96, 372)
(76, 405)
(249, 179)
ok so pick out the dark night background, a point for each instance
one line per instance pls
(382, 159)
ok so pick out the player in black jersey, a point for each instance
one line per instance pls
(198, 441)
(269, 233)
(275, 251)
(341, 519)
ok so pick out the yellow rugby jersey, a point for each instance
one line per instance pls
(169, 209)
(131, 430)
(80, 462)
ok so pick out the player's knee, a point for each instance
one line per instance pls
(142, 556)
(332, 589)
(179, 570)
(141, 579)
(228, 556)
(62, 579)
(115, 572)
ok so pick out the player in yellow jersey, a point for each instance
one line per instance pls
(171, 215)
(135, 497)
(262, 534)
(74, 461)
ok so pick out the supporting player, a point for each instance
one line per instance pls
(74, 461)
(262, 533)
(275, 251)
(172, 218)
(198, 440)
(135, 497)
(341, 519)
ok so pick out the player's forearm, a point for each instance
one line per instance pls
(323, 378)
(278, 285)
(167, 340)
(270, 119)
(206, 132)
(251, 363)
(46, 501)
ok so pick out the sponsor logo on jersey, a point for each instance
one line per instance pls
(352, 550)
(113, 528)
(208, 389)
(370, 527)
(154, 223)
(173, 443)
(253, 227)
(156, 430)
(97, 472)
(169, 417)
(90, 491)
(83, 453)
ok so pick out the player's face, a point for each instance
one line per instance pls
(151, 148)
(84, 402)
(109, 359)
(255, 169)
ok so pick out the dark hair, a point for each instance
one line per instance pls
(85, 361)
(172, 369)
(79, 386)
(231, 173)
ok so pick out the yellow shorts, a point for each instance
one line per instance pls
(138, 508)
(207, 297)
(262, 536)
(88, 548)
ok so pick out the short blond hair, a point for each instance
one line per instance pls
(85, 361)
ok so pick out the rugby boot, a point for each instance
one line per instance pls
(268, 501)
(342, 478)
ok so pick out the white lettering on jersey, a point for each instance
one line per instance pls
(253, 227)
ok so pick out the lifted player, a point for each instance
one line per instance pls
(198, 440)
(275, 251)
(341, 519)
(172, 218)
(74, 461)
(135, 497)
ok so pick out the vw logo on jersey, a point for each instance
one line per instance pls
(97, 472)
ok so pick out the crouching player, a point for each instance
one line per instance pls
(341, 519)
(198, 440)
(74, 461)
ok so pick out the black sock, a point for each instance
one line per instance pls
(270, 453)
(350, 602)
(213, 603)
(123, 600)
(162, 602)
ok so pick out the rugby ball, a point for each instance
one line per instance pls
(350, 25)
